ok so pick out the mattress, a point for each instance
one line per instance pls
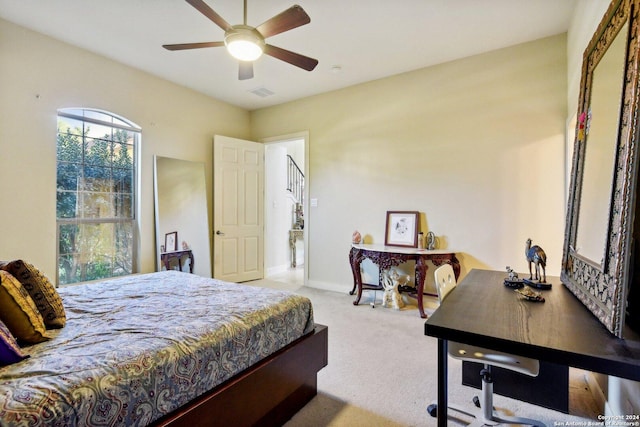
(139, 347)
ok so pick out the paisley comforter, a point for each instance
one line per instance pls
(138, 347)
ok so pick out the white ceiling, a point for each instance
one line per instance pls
(365, 39)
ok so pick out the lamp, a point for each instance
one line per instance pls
(244, 43)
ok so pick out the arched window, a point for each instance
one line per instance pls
(97, 156)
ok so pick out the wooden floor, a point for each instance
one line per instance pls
(582, 401)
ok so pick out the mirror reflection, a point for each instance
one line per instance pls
(182, 223)
(601, 130)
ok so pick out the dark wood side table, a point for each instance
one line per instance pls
(167, 257)
(386, 257)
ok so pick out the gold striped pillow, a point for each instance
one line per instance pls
(41, 290)
(19, 312)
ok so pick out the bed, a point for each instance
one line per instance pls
(168, 348)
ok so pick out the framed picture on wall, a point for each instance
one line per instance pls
(402, 229)
(171, 241)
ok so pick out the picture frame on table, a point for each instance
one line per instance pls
(402, 229)
(171, 241)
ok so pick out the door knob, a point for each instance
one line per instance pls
(219, 233)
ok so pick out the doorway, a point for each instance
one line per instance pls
(286, 209)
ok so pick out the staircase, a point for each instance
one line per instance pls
(295, 181)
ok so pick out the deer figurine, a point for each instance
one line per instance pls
(536, 255)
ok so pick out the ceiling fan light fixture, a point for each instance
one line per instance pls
(244, 43)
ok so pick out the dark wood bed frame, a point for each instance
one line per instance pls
(267, 394)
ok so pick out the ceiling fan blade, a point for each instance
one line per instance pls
(183, 46)
(292, 58)
(291, 18)
(210, 13)
(245, 71)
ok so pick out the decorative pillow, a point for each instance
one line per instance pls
(42, 291)
(9, 349)
(19, 312)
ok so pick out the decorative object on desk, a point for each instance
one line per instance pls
(536, 255)
(171, 241)
(512, 281)
(431, 240)
(356, 237)
(421, 240)
(391, 279)
(185, 246)
(402, 229)
(530, 295)
(161, 248)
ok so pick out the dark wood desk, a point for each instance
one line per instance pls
(482, 311)
(167, 257)
(386, 257)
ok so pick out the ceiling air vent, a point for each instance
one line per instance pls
(262, 92)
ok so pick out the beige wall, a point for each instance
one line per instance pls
(38, 75)
(476, 145)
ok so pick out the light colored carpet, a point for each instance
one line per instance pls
(382, 368)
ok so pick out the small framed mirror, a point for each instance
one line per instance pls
(596, 263)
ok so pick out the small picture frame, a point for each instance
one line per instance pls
(171, 241)
(402, 229)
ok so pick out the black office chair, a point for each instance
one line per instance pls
(484, 414)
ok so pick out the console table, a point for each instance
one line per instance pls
(386, 257)
(167, 257)
(294, 234)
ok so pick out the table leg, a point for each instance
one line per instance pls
(355, 259)
(292, 245)
(442, 382)
(421, 274)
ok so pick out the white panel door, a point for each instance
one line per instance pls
(238, 191)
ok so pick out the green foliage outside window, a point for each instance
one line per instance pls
(95, 197)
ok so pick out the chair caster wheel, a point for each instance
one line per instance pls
(476, 401)
(433, 410)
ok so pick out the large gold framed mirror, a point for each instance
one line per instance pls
(596, 263)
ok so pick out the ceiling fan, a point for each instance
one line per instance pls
(247, 43)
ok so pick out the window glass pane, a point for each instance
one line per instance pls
(97, 205)
(97, 152)
(95, 251)
(71, 126)
(66, 204)
(67, 177)
(119, 122)
(69, 148)
(124, 205)
(123, 256)
(96, 115)
(95, 178)
(95, 130)
(123, 155)
(123, 180)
